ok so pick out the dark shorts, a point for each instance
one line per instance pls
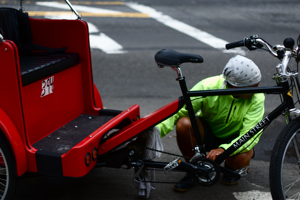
(210, 140)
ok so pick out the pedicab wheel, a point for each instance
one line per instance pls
(213, 175)
(7, 173)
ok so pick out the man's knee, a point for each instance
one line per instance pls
(240, 160)
(183, 125)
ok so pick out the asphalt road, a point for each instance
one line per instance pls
(131, 77)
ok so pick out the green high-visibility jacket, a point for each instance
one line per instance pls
(227, 116)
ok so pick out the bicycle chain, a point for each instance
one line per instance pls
(167, 153)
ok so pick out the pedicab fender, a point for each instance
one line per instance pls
(9, 130)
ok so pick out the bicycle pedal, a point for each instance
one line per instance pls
(243, 171)
(172, 165)
(137, 177)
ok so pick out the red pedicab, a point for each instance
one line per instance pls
(52, 120)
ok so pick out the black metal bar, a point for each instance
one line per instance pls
(161, 165)
(192, 115)
(155, 164)
(249, 90)
(229, 172)
(251, 133)
(183, 166)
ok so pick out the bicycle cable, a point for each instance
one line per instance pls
(171, 154)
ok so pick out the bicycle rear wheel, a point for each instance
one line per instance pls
(284, 175)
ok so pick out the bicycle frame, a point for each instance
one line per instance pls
(285, 106)
(288, 103)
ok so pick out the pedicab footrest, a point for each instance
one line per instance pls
(67, 136)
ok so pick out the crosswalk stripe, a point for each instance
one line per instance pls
(193, 32)
(87, 14)
(73, 2)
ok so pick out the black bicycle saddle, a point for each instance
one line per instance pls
(169, 57)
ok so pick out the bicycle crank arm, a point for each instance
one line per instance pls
(183, 166)
(194, 169)
(229, 172)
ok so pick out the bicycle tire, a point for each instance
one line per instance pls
(7, 173)
(284, 177)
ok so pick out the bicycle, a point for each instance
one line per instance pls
(285, 155)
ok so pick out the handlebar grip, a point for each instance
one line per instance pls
(235, 44)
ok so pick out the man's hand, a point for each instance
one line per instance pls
(213, 154)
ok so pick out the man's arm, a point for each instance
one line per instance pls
(252, 117)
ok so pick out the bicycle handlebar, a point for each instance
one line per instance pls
(235, 44)
(253, 43)
(282, 52)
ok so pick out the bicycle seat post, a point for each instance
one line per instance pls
(179, 73)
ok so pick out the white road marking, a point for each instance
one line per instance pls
(185, 28)
(77, 7)
(106, 44)
(254, 194)
(191, 31)
(70, 15)
(92, 28)
(99, 41)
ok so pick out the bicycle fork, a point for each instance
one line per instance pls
(293, 113)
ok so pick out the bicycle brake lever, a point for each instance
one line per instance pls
(250, 43)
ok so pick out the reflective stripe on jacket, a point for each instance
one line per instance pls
(226, 115)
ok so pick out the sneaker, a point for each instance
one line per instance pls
(187, 182)
(229, 180)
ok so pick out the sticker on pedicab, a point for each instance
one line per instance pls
(47, 86)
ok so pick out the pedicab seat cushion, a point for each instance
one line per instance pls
(37, 62)
(37, 67)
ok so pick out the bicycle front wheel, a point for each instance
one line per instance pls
(284, 175)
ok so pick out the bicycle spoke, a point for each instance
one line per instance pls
(295, 196)
(5, 177)
(3, 172)
(289, 186)
(2, 184)
(295, 166)
(1, 179)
